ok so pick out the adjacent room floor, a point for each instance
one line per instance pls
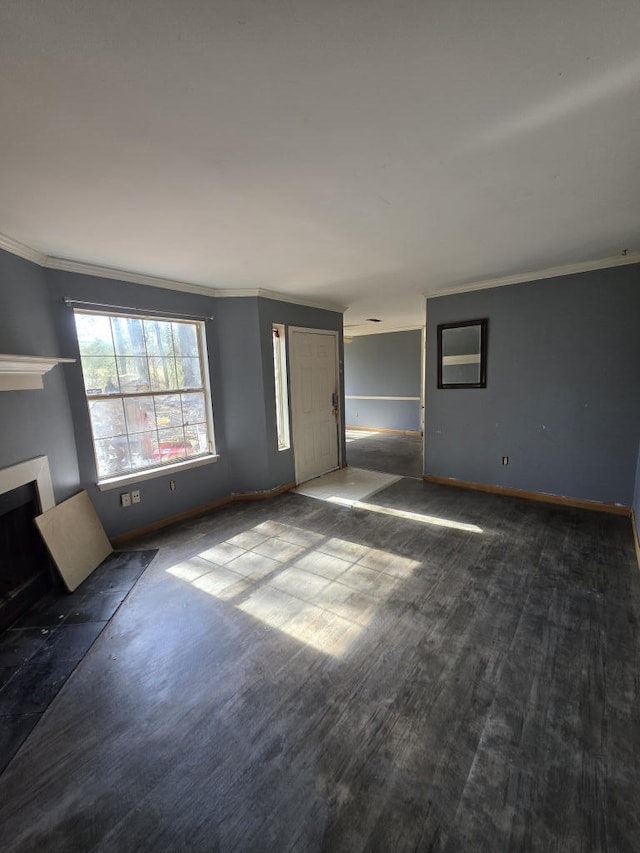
(439, 670)
(393, 453)
(346, 486)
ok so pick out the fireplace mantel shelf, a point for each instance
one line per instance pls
(25, 372)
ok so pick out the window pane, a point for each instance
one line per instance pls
(168, 411)
(185, 340)
(100, 375)
(107, 418)
(94, 334)
(152, 368)
(189, 374)
(172, 445)
(112, 456)
(196, 439)
(133, 372)
(280, 377)
(193, 406)
(159, 338)
(140, 414)
(145, 450)
(162, 372)
(128, 336)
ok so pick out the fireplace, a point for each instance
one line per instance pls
(25, 573)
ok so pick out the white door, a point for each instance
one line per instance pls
(313, 366)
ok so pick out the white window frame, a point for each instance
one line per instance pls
(281, 388)
(151, 472)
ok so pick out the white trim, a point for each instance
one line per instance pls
(171, 284)
(98, 271)
(25, 372)
(538, 275)
(264, 293)
(369, 397)
(351, 330)
(123, 275)
(21, 250)
(15, 247)
(152, 473)
(33, 470)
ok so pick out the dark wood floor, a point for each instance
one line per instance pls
(391, 453)
(294, 675)
(40, 651)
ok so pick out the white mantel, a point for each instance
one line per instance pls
(25, 372)
(32, 471)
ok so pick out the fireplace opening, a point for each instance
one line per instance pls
(25, 568)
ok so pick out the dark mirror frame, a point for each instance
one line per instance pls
(482, 383)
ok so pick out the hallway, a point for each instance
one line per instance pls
(389, 452)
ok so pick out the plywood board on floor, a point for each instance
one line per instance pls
(75, 538)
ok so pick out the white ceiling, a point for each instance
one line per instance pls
(364, 153)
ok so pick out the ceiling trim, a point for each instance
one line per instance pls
(538, 275)
(21, 250)
(284, 297)
(353, 332)
(68, 265)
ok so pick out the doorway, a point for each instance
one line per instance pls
(384, 401)
(313, 368)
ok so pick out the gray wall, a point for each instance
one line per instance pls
(562, 397)
(384, 365)
(35, 423)
(35, 321)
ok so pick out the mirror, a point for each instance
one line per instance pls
(462, 354)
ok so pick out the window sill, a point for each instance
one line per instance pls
(152, 473)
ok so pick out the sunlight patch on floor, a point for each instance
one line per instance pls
(409, 516)
(356, 434)
(318, 589)
(349, 483)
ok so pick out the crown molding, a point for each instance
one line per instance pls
(123, 275)
(22, 251)
(263, 293)
(538, 275)
(68, 265)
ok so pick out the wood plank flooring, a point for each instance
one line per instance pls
(41, 649)
(296, 676)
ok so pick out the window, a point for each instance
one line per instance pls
(280, 374)
(146, 381)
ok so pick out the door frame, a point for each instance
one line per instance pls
(292, 410)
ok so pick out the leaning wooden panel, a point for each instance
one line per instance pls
(75, 538)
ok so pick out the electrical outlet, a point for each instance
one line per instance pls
(505, 460)
(135, 497)
(172, 485)
(125, 499)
